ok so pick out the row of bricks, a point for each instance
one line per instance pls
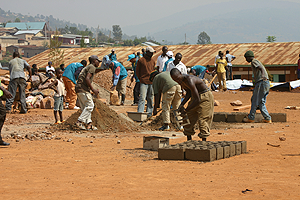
(202, 152)
(237, 117)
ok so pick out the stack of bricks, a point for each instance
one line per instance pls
(205, 151)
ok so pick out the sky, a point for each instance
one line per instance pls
(104, 13)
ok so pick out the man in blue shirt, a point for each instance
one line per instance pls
(70, 82)
(112, 56)
(198, 70)
(119, 79)
(170, 56)
(136, 89)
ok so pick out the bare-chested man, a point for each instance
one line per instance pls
(201, 107)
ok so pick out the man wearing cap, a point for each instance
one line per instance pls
(112, 56)
(177, 64)
(170, 59)
(69, 80)
(136, 89)
(162, 59)
(50, 71)
(83, 87)
(229, 59)
(171, 90)
(17, 81)
(145, 66)
(119, 79)
(261, 89)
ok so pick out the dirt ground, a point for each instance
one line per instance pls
(93, 165)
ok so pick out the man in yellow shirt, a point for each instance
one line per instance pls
(221, 65)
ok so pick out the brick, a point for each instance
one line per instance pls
(238, 148)
(278, 117)
(47, 103)
(206, 155)
(154, 142)
(231, 149)
(220, 117)
(226, 151)
(219, 152)
(243, 146)
(171, 154)
(236, 117)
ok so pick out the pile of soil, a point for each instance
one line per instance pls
(104, 79)
(104, 118)
(158, 122)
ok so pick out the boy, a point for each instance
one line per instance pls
(221, 65)
(59, 88)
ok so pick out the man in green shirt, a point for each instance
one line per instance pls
(83, 87)
(172, 93)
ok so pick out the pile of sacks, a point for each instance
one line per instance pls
(38, 95)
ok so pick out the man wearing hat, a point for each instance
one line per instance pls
(171, 96)
(83, 88)
(136, 90)
(261, 89)
(145, 66)
(119, 79)
(170, 59)
(112, 56)
(160, 63)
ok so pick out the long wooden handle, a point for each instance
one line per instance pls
(212, 80)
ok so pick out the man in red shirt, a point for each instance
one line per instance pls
(145, 66)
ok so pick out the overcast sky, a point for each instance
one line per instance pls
(105, 13)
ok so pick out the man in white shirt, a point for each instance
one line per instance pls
(217, 57)
(177, 64)
(160, 63)
(229, 59)
(50, 71)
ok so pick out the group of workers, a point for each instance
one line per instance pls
(157, 83)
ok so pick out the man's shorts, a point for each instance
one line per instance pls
(58, 103)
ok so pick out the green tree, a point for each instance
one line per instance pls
(117, 32)
(271, 38)
(82, 44)
(128, 43)
(56, 55)
(203, 38)
(17, 20)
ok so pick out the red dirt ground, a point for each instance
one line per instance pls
(103, 169)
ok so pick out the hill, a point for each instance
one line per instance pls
(229, 22)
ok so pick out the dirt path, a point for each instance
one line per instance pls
(94, 166)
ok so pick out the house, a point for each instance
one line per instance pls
(8, 41)
(28, 34)
(42, 26)
(280, 58)
(72, 39)
(25, 50)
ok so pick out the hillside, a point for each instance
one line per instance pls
(230, 22)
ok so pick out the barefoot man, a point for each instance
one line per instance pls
(201, 106)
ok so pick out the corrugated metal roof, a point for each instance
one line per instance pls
(26, 25)
(34, 32)
(284, 53)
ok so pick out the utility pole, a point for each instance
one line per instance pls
(185, 38)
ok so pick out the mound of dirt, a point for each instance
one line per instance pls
(104, 118)
(104, 79)
(158, 122)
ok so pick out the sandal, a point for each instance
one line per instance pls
(92, 128)
(58, 122)
(80, 126)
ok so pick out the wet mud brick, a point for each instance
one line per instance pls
(219, 152)
(236, 117)
(154, 142)
(220, 117)
(171, 153)
(238, 148)
(243, 146)
(231, 149)
(203, 154)
(226, 151)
